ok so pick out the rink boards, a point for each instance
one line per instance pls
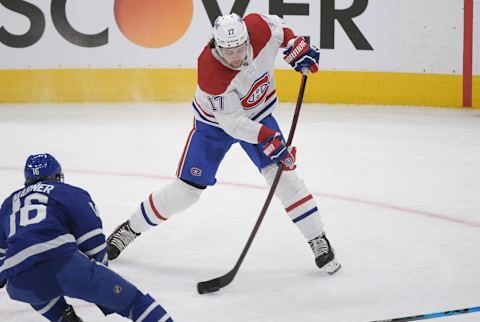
(135, 84)
(385, 52)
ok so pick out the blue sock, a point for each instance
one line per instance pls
(144, 307)
(53, 309)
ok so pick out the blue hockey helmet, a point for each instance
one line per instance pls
(40, 167)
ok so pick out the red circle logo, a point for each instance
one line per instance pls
(153, 23)
(257, 92)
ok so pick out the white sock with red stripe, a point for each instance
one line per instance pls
(161, 205)
(299, 203)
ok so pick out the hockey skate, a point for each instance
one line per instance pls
(119, 239)
(324, 255)
(69, 315)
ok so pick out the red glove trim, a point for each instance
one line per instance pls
(265, 133)
(287, 35)
(299, 48)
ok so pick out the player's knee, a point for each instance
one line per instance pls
(179, 196)
(290, 185)
(269, 172)
(161, 205)
(288, 180)
(95, 283)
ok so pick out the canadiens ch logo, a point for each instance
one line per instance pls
(257, 92)
(196, 172)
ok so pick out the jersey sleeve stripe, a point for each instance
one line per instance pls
(89, 235)
(270, 95)
(95, 250)
(287, 35)
(35, 250)
(262, 112)
(200, 107)
(3, 251)
(203, 115)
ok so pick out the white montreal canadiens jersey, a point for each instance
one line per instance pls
(236, 100)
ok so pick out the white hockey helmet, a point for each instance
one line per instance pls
(230, 31)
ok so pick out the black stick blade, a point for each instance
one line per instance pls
(208, 287)
(214, 285)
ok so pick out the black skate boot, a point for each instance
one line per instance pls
(119, 239)
(324, 255)
(69, 315)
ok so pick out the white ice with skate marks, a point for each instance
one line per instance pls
(397, 187)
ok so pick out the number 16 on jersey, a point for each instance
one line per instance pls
(33, 211)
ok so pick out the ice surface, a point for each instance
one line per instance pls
(398, 188)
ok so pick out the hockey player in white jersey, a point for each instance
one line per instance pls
(233, 103)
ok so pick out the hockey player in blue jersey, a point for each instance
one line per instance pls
(52, 245)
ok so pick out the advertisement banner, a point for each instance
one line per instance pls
(352, 34)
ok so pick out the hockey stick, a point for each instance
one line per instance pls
(216, 284)
(433, 315)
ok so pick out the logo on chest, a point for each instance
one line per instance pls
(257, 92)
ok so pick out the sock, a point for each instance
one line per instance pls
(53, 309)
(160, 205)
(146, 309)
(299, 203)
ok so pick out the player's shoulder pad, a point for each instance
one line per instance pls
(70, 189)
(3, 205)
(213, 76)
(8, 200)
(259, 32)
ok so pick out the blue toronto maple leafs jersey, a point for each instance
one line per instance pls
(44, 219)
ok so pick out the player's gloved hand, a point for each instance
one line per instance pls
(2, 283)
(300, 55)
(276, 149)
